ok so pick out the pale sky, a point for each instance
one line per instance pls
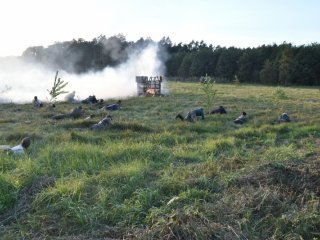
(239, 23)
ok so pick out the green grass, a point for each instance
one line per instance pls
(149, 176)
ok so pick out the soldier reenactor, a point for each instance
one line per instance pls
(192, 115)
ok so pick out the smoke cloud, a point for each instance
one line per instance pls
(21, 81)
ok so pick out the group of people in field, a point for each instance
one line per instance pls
(199, 112)
(75, 113)
(78, 112)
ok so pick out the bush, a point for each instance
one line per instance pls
(208, 88)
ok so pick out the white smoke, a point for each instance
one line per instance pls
(20, 82)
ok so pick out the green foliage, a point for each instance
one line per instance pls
(185, 66)
(279, 93)
(286, 66)
(207, 86)
(7, 194)
(269, 73)
(227, 63)
(57, 88)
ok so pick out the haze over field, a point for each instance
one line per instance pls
(21, 81)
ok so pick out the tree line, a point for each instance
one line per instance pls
(283, 64)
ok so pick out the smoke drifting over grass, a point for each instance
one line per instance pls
(21, 81)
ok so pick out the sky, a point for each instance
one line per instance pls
(239, 23)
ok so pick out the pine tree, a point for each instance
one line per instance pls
(57, 89)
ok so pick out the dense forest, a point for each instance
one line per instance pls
(283, 64)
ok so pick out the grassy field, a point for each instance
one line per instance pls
(149, 176)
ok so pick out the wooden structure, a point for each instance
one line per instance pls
(149, 86)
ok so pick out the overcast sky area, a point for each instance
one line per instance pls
(239, 23)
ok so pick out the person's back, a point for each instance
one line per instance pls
(90, 99)
(220, 110)
(106, 121)
(70, 97)
(199, 112)
(93, 99)
(284, 117)
(19, 149)
(36, 102)
(192, 115)
(241, 119)
(114, 106)
(102, 124)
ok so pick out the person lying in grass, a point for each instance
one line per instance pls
(102, 124)
(192, 115)
(74, 113)
(90, 99)
(19, 149)
(220, 110)
(284, 117)
(241, 119)
(114, 106)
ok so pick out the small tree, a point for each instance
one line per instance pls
(57, 89)
(208, 88)
(279, 96)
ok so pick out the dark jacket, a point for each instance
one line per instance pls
(192, 115)
(220, 110)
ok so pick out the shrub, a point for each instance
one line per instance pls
(57, 89)
(208, 88)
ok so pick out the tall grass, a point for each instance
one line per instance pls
(150, 176)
